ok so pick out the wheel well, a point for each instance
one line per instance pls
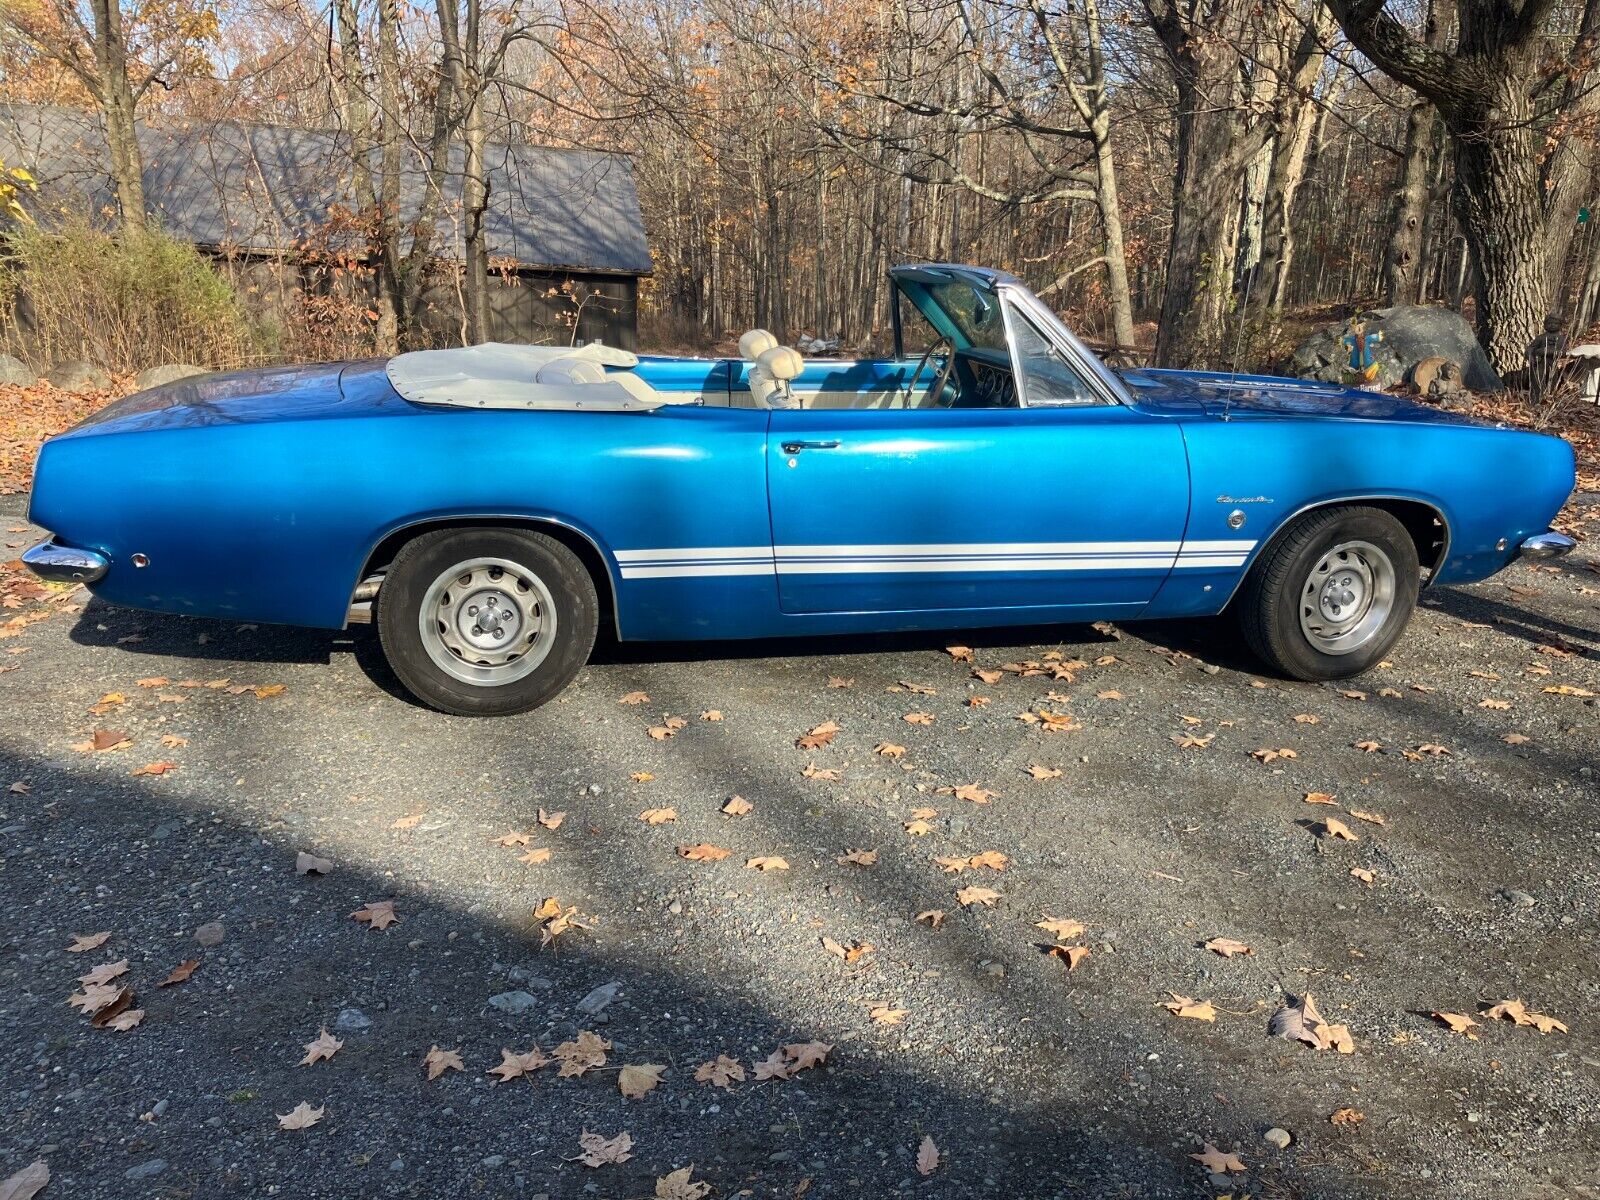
(588, 553)
(1429, 531)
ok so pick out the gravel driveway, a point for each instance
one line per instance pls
(1131, 800)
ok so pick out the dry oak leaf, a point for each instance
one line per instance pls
(722, 1072)
(861, 858)
(1061, 928)
(124, 1020)
(1370, 818)
(812, 771)
(1497, 705)
(973, 793)
(19, 788)
(301, 1116)
(703, 852)
(154, 681)
(668, 728)
(535, 857)
(738, 806)
(1042, 772)
(99, 998)
(992, 859)
(933, 916)
(171, 741)
(1458, 1022)
(988, 677)
(1361, 873)
(851, 953)
(598, 1150)
(155, 768)
(1227, 947)
(953, 864)
(180, 973)
(1306, 719)
(266, 693)
(1189, 741)
(1109, 694)
(1567, 689)
(770, 862)
(556, 920)
(26, 1183)
(514, 838)
(310, 864)
(676, 1185)
(635, 1079)
(583, 1053)
(917, 826)
(1266, 755)
(104, 973)
(1368, 747)
(88, 941)
(1346, 1116)
(658, 816)
(1319, 798)
(1189, 1008)
(802, 1056)
(1516, 739)
(1518, 1013)
(1334, 828)
(104, 739)
(889, 750)
(927, 1156)
(322, 1048)
(1071, 955)
(634, 698)
(883, 1014)
(377, 914)
(438, 1061)
(551, 820)
(1299, 1020)
(1217, 1162)
(959, 653)
(711, 714)
(918, 718)
(819, 736)
(512, 1065)
(839, 681)
(968, 896)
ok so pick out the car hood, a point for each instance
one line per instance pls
(1215, 394)
(251, 397)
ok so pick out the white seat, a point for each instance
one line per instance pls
(769, 378)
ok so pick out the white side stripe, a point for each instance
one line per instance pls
(707, 561)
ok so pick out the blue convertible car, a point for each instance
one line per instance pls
(490, 506)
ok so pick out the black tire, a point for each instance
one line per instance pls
(431, 670)
(1289, 578)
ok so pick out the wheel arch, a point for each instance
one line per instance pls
(579, 541)
(1423, 520)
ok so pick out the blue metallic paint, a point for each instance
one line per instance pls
(259, 495)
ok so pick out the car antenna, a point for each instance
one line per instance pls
(1238, 341)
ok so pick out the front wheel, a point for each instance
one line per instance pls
(486, 622)
(1332, 594)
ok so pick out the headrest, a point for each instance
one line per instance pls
(781, 362)
(755, 343)
(571, 369)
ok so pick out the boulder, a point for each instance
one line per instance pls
(15, 372)
(78, 376)
(167, 373)
(1411, 335)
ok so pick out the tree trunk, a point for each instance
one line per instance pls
(117, 105)
(1569, 170)
(470, 84)
(1402, 256)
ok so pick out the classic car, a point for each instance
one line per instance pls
(490, 506)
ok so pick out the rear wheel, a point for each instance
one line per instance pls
(486, 622)
(1332, 594)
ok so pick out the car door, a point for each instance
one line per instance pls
(952, 509)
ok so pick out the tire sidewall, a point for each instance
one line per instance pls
(423, 560)
(1292, 646)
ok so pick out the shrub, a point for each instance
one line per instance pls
(126, 302)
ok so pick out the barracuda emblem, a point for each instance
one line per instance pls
(1245, 500)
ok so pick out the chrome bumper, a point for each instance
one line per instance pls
(1546, 545)
(65, 564)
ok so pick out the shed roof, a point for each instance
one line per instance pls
(264, 188)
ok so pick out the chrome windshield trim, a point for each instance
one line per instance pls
(1100, 377)
(65, 564)
(1546, 545)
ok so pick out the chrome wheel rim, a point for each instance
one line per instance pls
(1347, 598)
(487, 621)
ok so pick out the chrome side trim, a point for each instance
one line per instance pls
(1546, 545)
(1444, 524)
(65, 564)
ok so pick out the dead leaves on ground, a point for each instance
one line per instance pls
(377, 914)
(597, 1150)
(1189, 1008)
(636, 1080)
(1298, 1020)
(1227, 947)
(1219, 1162)
(301, 1116)
(927, 1156)
(967, 897)
(1518, 1013)
(437, 1061)
(703, 852)
(320, 1049)
(819, 736)
(788, 1061)
(515, 1066)
(88, 941)
(584, 1053)
(721, 1072)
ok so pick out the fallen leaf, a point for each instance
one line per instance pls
(1227, 947)
(180, 973)
(927, 1156)
(668, 728)
(819, 736)
(551, 820)
(1189, 1008)
(1217, 1162)
(838, 681)
(438, 1061)
(917, 827)
(850, 954)
(1347, 1117)
(1361, 873)
(88, 941)
(1458, 1023)
(991, 859)
(310, 864)
(1516, 739)
(1110, 694)
(1497, 705)
(377, 914)
(634, 698)
(271, 690)
(1042, 772)
(635, 1079)
(933, 916)
(1369, 747)
(658, 816)
(26, 1183)
(1299, 1020)
(1519, 1013)
(104, 973)
(722, 1072)
(1335, 828)
(968, 896)
(1071, 955)
(301, 1116)
(711, 714)
(738, 806)
(972, 793)
(1063, 930)
(535, 857)
(513, 1065)
(959, 653)
(322, 1048)
(1190, 741)
(104, 739)
(1371, 818)
(19, 788)
(918, 718)
(775, 1066)
(812, 771)
(514, 838)
(597, 1150)
(1306, 719)
(861, 858)
(989, 677)
(676, 1185)
(583, 1053)
(171, 741)
(1271, 756)
(1319, 798)
(889, 750)
(883, 1014)
(1567, 689)
(124, 1020)
(408, 822)
(767, 863)
(805, 1055)
(703, 852)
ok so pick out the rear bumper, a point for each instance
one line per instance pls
(65, 564)
(1546, 545)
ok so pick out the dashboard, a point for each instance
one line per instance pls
(991, 387)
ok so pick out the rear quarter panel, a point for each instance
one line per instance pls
(1490, 485)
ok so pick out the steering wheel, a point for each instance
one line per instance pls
(944, 374)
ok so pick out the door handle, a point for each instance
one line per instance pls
(796, 447)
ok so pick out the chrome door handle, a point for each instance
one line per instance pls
(796, 447)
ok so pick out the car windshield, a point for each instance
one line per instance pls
(973, 311)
